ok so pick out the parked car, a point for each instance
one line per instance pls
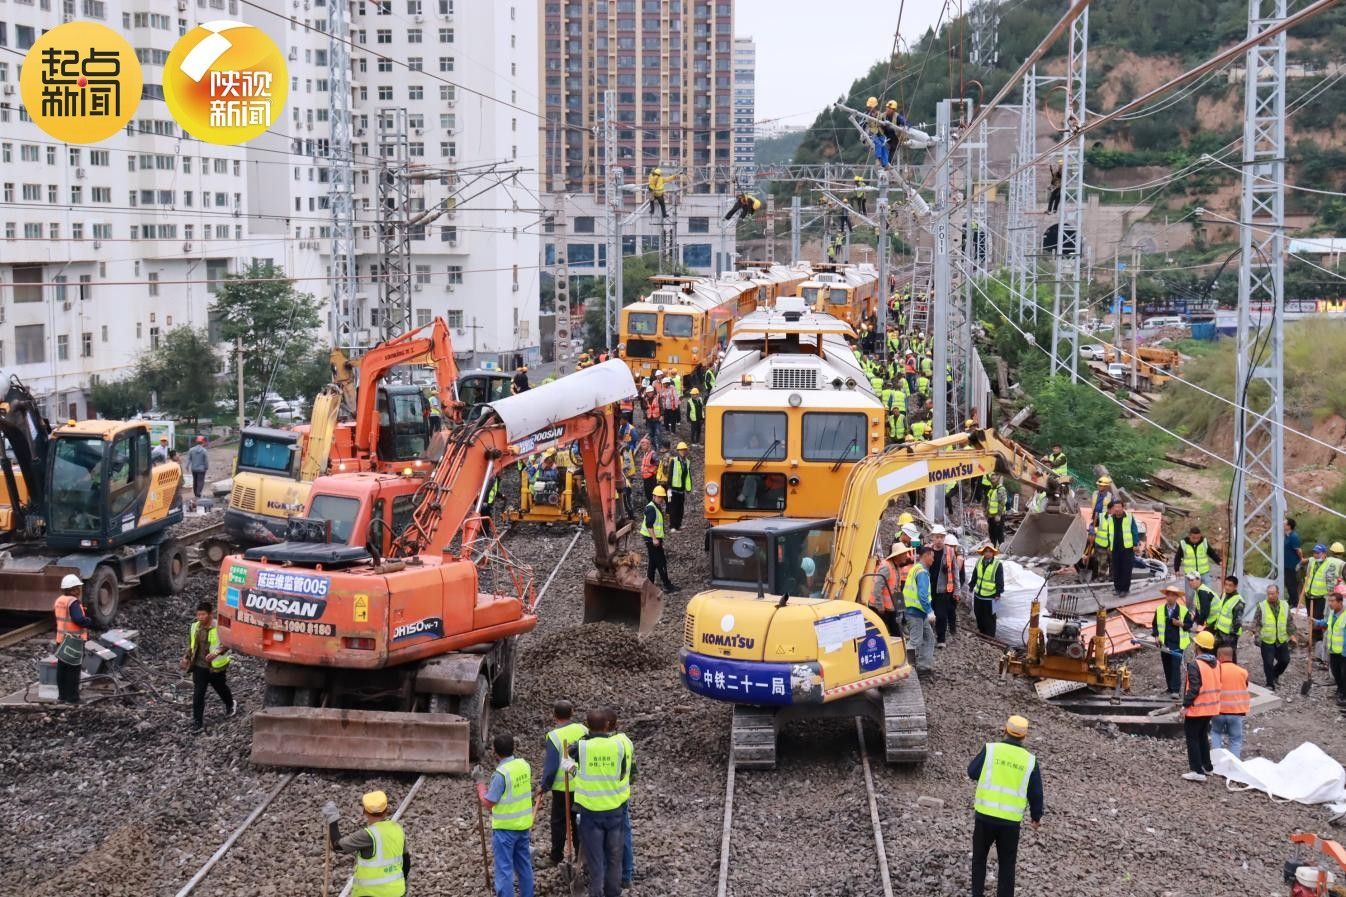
(1118, 370)
(1093, 351)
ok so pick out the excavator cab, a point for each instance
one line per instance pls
(774, 555)
(404, 422)
(477, 389)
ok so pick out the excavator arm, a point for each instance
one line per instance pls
(878, 480)
(437, 348)
(321, 432)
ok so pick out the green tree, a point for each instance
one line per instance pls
(119, 399)
(310, 373)
(1092, 430)
(274, 321)
(182, 373)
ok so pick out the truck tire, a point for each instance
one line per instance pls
(476, 708)
(102, 596)
(502, 688)
(170, 576)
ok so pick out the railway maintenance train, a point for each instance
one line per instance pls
(791, 412)
(681, 323)
(848, 292)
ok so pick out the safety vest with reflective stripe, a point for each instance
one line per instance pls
(64, 624)
(649, 465)
(1336, 632)
(885, 586)
(212, 646)
(630, 750)
(1318, 577)
(1195, 558)
(694, 407)
(1058, 465)
(561, 738)
(1224, 622)
(1002, 789)
(1103, 535)
(996, 499)
(911, 595)
(598, 780)
(514, 811)
(1275, 623)
(920, 430)
(381, 874)
(1234, 695)
(1161, 625)
(658, 531)
(680, 473)
(1207, 701)
(983, 578)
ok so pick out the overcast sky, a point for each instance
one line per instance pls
(809, 51)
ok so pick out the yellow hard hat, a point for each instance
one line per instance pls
(375, 803)
(1016, 726)
(872, 102)
(658, 171)
(905, 519)
(969, 423)
(549, 453)
(695, 391)
(1205, 639)
(1338, 548)
(682, 446)
(659, 492)
(892, 104)
(1105, 481)
(859, 179)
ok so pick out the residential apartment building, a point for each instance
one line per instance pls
(105, 248)
(745, 89)
(670, 64)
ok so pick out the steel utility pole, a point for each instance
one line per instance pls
(885, 294)
(394, 223)
(341, 176)
(612, 294)
(939, 306)
(1070, 219)
(796, 210)
(1259, 449)
(1024, 235)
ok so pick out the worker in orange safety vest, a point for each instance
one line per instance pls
(1200, 704)
(1235, 701)
(888, 584)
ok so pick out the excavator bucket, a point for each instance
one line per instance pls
(623, 596)
(1061, 537)
(377, 740)
(32, 589)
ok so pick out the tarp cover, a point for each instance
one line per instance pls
(1021, 587)
(1307, 775)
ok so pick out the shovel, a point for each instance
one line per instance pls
(1308, 673)
(481, 830)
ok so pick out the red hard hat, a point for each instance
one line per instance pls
(200, 439)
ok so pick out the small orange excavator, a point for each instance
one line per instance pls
(388, 653)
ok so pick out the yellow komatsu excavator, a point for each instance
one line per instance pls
(814, 648)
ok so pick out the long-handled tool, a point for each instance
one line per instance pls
(481, 831)
(568, 855)
(326, 861)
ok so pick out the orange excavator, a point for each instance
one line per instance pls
(389, 655)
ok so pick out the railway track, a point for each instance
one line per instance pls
(878, 855)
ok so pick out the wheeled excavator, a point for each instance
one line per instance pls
(386, 650)
(812, 647)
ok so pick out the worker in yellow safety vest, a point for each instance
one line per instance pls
(380, 847)
(656, 185)
(565, 732)
(1172, 629)
(509, 796)
(1275, 635)
(1320, 578)
(997, 503)
(1056, 460)
(1333, 625)
(652, 531)
(1227, 621)
(1009, 785)
(1118, 534)
(1195, 556)
(601, 768)
(209, 663)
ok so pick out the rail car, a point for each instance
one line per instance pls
(773, 281)
(681, 323)
(790, 413)
(848, 292)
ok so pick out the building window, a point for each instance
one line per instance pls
(422, 317)
(698, 225)
(85, 286)
(455, 273)
(154, 283)
(86, 345)
(584, 224)
(446, 63)
(454, 318)
(154, 337)
(422, 274)
(30, 344)
(27, 283)
(63, 347)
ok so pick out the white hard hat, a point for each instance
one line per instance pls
(911, 531)
(71, 581)
(938, 530)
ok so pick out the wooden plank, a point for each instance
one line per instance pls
(1168, 485)
(1183, 462)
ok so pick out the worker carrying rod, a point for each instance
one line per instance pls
(382, 862)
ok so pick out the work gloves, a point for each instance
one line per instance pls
(330, 814)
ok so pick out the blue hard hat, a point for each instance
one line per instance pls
(808, 566)
(1320, 547)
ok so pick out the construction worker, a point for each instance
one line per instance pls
(565, 732)
(1235, 699)
(920, 429)
(893, 123)
(1056, 460)
(679, 484)
(72, 631)
(874, 125)
(630, 469)
(988, 584)
(209, 663)
(198, 462)
(656, 185)
(652, 531)
(668, 401)
(947, 578)
(382, 862)
(997, 503)
(628, 842)
(159, 454)
(1118, 535)
(1103, 497)
(1294, 559)
(654, 414)
(520, 382)
(919, 612)
(859, 197)
(509, 796)
(1200, 704)
(1203, 599)
(1009, 783)
(1333, 625)
(1195, 554)
(1320, 578)
(745, 206)
(1227, 622)
(696, 414)
(1054, 198)
(599, 764)
(1172, 630)
(1272, 623)
(883, 592)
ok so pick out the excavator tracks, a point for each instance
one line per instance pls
(906, 738)
(752, 743)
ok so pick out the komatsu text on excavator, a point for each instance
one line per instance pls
(811, 646)
(362, 627)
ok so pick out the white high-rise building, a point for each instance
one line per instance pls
(745, 96)
(104, 248)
